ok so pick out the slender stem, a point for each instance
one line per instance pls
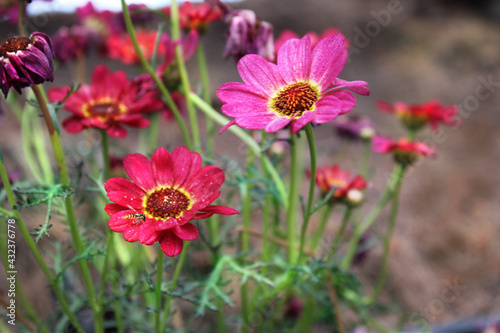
(338, 235)
(21, 14)
(154, 75)
(248, 140)
(336, 308)
(372, 216)
(274, 240)
(158, 294)
(34, 250)
(322, 225)
(291, 216)
(154, 130)
(387, 241)
(365, 161)
(313, 157)
(173, 285)
(205, 83)
(70, 213)
(176, 36)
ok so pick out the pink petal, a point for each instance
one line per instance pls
(277, 123)
(131, 233)
(229, 124)
(117, 222)
(234, 92)
(294, 59)
(124, 185)
(185, 163)
(147, 232)
(324, 58)
(165, 224)
(113, 208)
(162, 166)
(244, 110)
(116, 130)
(256, 122)
(301, 121)
(73, 124)
(260, 73)
(214, 209)
(359, 87)
(58, 94)
(126, 199)
(170, 244)
(138, 168)
(207, 180)
(187, 232)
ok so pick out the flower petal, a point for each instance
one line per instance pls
(358, 87)
(165, 224)
(170, 244)
(214, 209)
(301, 121)
(123, 185)
(113, 208)
(260, 73)
(277, 123)
(73, 124)
(131, 233)
(138, 168)
(325, 57)
(162, 166)
(118, 223)
(147, 232)
(115, 130)
(187, 232)
(294, 60)
(234, 92)
(185, 164)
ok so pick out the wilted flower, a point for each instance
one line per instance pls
(354, 127)
(120, 47)
(296, 91)
(332, 176)
(405, 152)
(72, 43)
(248, 34)
(415, 116)
(26, 62)
(197, 16)
(108, 103)
(165, 194)
(315, 38)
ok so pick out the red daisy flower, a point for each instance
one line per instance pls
(165, 194)
(120, 47)
(415, 116)
(107, 103)
(347, 189)
(405, 151)
(197, 16)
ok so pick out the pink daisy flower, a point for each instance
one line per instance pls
(303, 87)
(108, 103)
(405, 151)
(165, 194)
(415, 116)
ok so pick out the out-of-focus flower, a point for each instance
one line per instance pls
(8, 10)
(294, 307)
(139, 15)
(362, 249)
(197, 16)
(108, 103)
(72, 43)
(105, 23)
(120, 47)
(354, 127)
(416, 116)
(13, 177)
(405, 152)
(165, 194)
(26, 62)
(332, 176)
(248, 34)
(315, 38)
(296, 91)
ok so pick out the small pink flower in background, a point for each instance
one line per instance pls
(303, 87)
(248, 34)
(120, 47)
(405, 151)
(315, 38)
(26, 62)
(332, 176)
(108, 103)
(198, 16)
(354, 127)
(74, 42)
(166, 193)
(415, 116)
(105, 23)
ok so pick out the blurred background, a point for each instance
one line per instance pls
(445, 256)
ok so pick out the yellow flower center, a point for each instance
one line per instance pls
(104, 108)
(295, 99)
(167, 202)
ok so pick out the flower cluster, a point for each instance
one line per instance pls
(164, 195)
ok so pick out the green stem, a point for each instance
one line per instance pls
(163, 89)
(387, 241)
(70, 213)
(158, 294)
(21, 13)
(154, 131)
(248, 140)
(205, 83)
(173, 285)
(322, 225)
(34, 250)
(291, 215)
(313, 158)
(365, 157)
(340, 232)
(176, 36)
(372, 216)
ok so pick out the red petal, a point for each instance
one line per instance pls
(118, 184)
(117, 222)
(131, 233)
(147, 233)
(170, 244)
(185, 163)
(186, 232)
(73, 124)
(138, 168)
(116, 131)
(113, 208)
(58, 94)
(163, 167)
(126, 199)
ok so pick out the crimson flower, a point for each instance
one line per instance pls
(72, 43)
(405, 152)
(165, 194)
(26, 62)
(347, 189)
(302, 88)
(108, 103)
(415, 116)
(120, 47)
(197, 16)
